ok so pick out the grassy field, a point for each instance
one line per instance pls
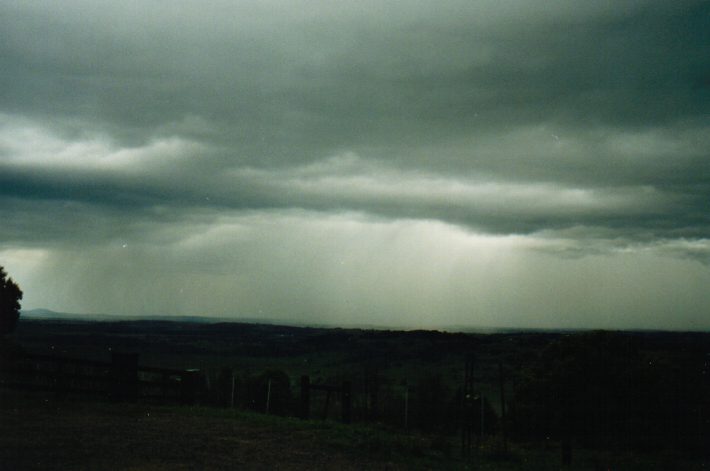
(39, 433)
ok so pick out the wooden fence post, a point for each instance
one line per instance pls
(566, 448)
(502, 407)
(483, 415)
(124, 373)
(467, 404)
(346, 401)
(327, 403)
(188, 386)
(406, 407)
(305, 397)
(232, 392)
(226, 387)
(61, 384)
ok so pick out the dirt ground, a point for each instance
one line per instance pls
(104, 436)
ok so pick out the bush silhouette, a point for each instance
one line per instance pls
(10, 295)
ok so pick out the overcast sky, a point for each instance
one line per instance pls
(421, 164)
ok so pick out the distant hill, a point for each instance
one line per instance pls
(48, 314)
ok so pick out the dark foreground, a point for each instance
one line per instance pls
(66, 434)
(86, 435)
(613, 400)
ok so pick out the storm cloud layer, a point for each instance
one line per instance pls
(416, 164)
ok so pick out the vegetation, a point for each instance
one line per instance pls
(622, 391)
(10, 295)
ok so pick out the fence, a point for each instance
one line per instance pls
(344, 391)
(428, 404)
(120, 379)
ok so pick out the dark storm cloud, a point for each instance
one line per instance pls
(582, 127)
(414, 75)
(486, 205)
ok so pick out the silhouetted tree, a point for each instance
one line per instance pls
(10, 295)
(611, 390)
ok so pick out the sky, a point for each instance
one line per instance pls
(415, 164)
